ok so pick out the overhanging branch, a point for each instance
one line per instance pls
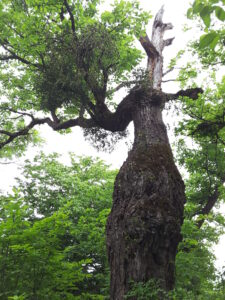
(55, 125)
(168, 71)
(192, 93)
(7, 57)
(23, 132)
(14, 56)
(18, 112)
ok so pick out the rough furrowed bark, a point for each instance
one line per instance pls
(143, 229)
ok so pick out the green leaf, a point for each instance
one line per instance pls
(208, 39)
(213, 44)
(197, 6)
(189, 13)
(205, 15)
(220, 13)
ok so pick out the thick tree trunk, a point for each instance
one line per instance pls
(143, 229)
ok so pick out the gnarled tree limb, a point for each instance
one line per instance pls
(55, 125)
(192, 93)
(148, 46)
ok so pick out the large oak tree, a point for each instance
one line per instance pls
(61, 64)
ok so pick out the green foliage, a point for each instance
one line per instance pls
(200, 146)
(46, 183)
(56, 250)
(207, 10)
(19, 146)
(195, 271)
(53, 234)
(205, 117)
(200, 151)
(146, 291)
(53, 62)
(33, 262)
(209, 39)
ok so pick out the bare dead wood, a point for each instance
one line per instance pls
(154, 49)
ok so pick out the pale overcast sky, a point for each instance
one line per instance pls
(175, 11)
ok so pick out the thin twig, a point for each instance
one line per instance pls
(15, 56)
(168, 71)
(17, 112)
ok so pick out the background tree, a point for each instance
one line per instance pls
(201, 140)
(69, 58)
(53, 231)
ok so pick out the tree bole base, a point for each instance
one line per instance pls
(143, 229)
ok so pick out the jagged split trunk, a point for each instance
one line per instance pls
(143, 229)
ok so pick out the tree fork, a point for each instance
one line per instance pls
(143, 229)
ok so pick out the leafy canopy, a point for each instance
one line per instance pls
(60, 58)
(53, 231)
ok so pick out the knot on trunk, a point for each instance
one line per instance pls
(146, 95)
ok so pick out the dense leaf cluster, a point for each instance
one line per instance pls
(52, 231)
(207, 10)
